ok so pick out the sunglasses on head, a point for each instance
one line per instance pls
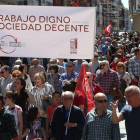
(16, 76)
(69, 66)
(101, 101)
(102, 65)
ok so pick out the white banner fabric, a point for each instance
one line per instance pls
(47, 32)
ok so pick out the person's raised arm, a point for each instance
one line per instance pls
(116, 118)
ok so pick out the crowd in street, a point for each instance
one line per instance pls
(38, 98)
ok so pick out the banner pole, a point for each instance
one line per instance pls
(91, 77)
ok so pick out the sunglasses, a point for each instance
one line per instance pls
(99, 53)
(127, 57)
(69, 66)
(102, 65)
(2, 72)
(101, 101)
(16, 76)
(120, 66)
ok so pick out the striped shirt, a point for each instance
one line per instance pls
(107, 80)
(100, 128)
(134, 67)
(47, 90)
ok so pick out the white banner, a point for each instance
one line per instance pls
(47, 32)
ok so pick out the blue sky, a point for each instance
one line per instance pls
(125, 3)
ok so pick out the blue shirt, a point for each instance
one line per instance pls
(66, 77)
(64, 65)
(132, 121)
(77, 66)
(104, 48)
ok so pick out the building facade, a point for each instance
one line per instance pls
(107, 10)
(134, 13)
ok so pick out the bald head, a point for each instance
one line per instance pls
(100, 102)
(89, 76)
(99, 95)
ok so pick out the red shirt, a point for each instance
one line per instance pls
(80, 100)
(50, 111)
(115, 64)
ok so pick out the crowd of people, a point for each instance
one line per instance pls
(38, 98)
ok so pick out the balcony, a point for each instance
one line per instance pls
(115, 28)
(114, 4)
(114, 20)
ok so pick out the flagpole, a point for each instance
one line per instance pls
(91, 77)
(68, 120)
(93, 59)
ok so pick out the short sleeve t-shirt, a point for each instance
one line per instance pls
(132, 121)
(15, 110)
(35, 129)
(50, 111)
(80, 100)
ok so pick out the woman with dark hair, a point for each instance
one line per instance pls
(108, 54)
(26, 77)
(123, 48)
(22, 98)
(53, 77)
(101, 57)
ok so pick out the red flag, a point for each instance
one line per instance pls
(83, 88)
(108, 29)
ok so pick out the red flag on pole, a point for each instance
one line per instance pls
(83, 88)
(108, 29)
